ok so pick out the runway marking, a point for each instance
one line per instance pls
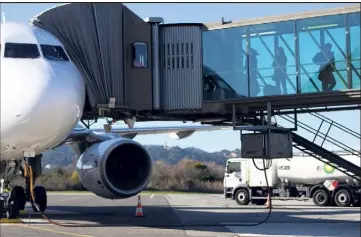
(151, 196)
(55, 231)
(9, 221)
(36, 221)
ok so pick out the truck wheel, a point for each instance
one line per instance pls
(321, 198)
(343, 198)
(242, 197)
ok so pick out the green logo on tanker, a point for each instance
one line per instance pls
(328, 169)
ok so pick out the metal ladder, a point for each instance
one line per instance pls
(320, 153)
(328, 157)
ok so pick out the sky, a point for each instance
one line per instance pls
(210, 12)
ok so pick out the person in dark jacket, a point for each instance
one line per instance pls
(326, 60)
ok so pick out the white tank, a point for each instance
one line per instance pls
(256, 177)
(309, 170)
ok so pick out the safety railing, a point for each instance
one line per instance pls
(325, 135)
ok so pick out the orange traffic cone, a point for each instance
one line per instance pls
(268, 201)
(139, 210)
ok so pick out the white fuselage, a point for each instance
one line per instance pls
(42, 93)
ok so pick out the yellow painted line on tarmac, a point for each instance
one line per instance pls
(9, 221)
(55, 231)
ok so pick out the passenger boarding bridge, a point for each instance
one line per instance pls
(218, 73)
(199, 71)
(312, 58)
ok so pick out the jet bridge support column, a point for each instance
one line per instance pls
(155, 21)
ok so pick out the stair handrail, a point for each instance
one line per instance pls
(355, 174)
(336, 124)
(327, 138)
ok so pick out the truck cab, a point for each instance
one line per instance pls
(244, 183)
(232, 176)
(234, 182)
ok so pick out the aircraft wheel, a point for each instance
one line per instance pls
(18, 193)
(321, 197)
(242, 197)
(13, 211)
(40, 198)
(16, 202)
(343, 198)
(1, 209)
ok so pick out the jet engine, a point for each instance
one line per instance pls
(115, 169)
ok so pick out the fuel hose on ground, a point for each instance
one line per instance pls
(29, 172)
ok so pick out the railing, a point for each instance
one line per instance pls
(325, 136)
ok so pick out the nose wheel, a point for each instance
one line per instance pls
(36, 196)
(14, 199)
(40, 199)
(11, 201)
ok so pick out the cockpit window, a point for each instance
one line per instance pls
(21, 50)
(54, 52)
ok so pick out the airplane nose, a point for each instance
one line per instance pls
(65, 95)
(42, 99)
(66, 91)
(40, 104)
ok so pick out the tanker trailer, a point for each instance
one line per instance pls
(292, 178)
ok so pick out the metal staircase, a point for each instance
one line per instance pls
(320, 153)
(326, 156)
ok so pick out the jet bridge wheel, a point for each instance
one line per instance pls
(40, 198)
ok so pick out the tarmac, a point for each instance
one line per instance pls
(86, 215)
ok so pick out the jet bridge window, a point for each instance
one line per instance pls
(21, 50)
(140, 55)
(53, 52)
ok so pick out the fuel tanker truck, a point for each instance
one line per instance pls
(301, 177)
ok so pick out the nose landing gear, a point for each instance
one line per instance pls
(12, 200)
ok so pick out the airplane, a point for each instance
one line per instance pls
(42, 101)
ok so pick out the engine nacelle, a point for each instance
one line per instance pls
(115, 169)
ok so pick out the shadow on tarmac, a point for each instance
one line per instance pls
(194, 218)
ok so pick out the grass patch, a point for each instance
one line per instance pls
(185, 177)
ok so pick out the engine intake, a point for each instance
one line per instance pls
(115, 169)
